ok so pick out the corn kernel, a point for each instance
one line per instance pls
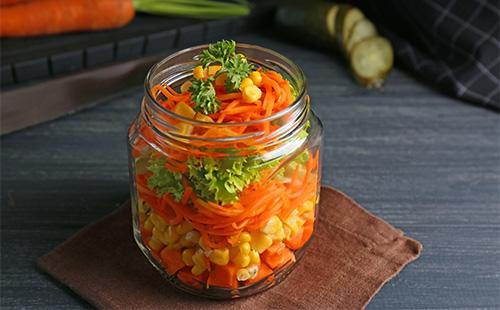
(254, 257)
(187, 257)
(245, 248)
(219, 256)
(251, 94)
(245, 83)
(148, 224)
(202, 245)
(170, 235)
(245, 237)
(203, 118)
(197, 270)
(241, 260)
(272, 226)
(199, 72)
(186, 243)
(243, 275)
(307, 206)
(193, 236)
(183, 228)
(253, 270)
(199, 259)
(256, 77)
(185, 86)
(294, 223)
(142, 206)
(221, 80)
(155, 244)
(212, 70)
(260, 241)
(184, 109)
(158, 222)
(158, 235)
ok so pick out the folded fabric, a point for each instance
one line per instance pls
(454, 45)
(353, 255)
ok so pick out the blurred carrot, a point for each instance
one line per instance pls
(42, 17)
(10, 2)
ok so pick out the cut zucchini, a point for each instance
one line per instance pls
(371, 61)
(351, 17)
(362, 29)
(331, 16)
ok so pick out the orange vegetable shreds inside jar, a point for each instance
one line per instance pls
(225, 168)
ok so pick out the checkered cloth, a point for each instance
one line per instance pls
(455, 45)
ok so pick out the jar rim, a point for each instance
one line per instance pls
(300, 92)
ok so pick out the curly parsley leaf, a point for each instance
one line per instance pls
(219, 52)
(237, 68)
(203, 95)
(164, 181)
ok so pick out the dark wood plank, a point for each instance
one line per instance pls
(426, 163)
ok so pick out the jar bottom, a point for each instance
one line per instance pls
(220, 293)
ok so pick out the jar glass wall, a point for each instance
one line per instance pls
(223, 212)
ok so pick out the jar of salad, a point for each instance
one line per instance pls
(225, 169)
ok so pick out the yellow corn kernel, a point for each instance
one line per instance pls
(199, 259)
(158, 235)
(187, 257)
(202, 245)
(193, 236)
(294, 222)
(221, 80)
(243, 275)
(212, 70)
(158, 222)
(279, 235)
(184, 128)
(256, 77)
(170, 235)
(241, 260)
(260, 241)
(306, 207)
(254, 257)
(251, 94)
(245, 248)
(272, 226)
(184, 110)
(148, 224)
(288, 232)
(186, 243)
(203, 118)
(219, 256)
(245, 237)
(199, 72)
(183, 228)
(245, 83)
(155, 244)
(142, 206)
(243, 57)
(197, 270)
(185, 86)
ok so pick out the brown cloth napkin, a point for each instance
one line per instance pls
(353, 255)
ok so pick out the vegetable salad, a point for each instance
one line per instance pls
(224, 216)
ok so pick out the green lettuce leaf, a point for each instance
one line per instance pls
(164, 181)
(221, 180)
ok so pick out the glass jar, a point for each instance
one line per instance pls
(266, 183)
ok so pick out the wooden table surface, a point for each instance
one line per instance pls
(426, 163)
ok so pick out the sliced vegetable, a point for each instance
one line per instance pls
(348, 16)
(172, 260)
(371, 61)
(361, 30)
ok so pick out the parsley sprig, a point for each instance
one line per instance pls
(234, 66)
(203, 95)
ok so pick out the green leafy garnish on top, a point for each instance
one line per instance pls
(219, 52)
(237, 68)
(164, 181)
(203, 95)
